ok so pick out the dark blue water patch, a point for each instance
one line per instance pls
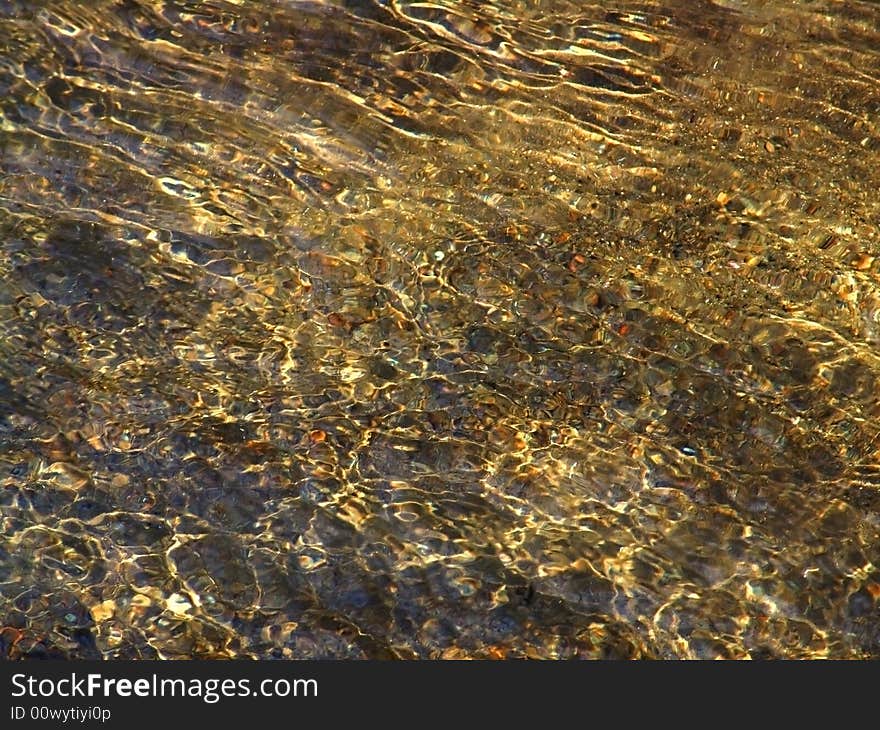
(131, 530)
(81, 263)
(45, 501)
(6, 564)
(502, 623)
(87, 647)
(334, 533)
(222, 558)
(86, 508)
(313, 491)
(74, 571)
(12, 403)
(197, 248)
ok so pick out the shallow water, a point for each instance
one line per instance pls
(441, 329)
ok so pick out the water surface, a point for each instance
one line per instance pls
(439, 329)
